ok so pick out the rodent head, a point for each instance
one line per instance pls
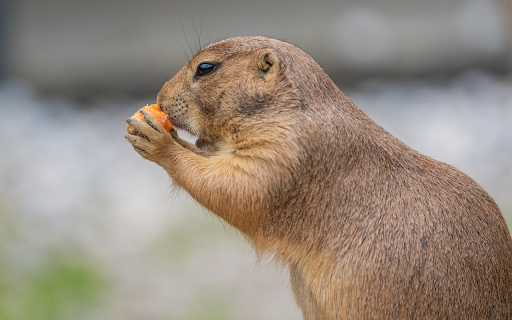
(229, 91)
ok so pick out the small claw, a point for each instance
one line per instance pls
(150, 119)
(138, 141)
(134, 122)
(129, 127)
(143, 129)
(142, 152)
(149, 138)
(174, 133)
(129, 137)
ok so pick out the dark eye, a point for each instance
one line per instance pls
(204, 69)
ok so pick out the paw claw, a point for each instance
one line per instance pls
(174, 134)
(150, 142)
(152, 122)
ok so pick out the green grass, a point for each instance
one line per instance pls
(55, 285)
(65, 287)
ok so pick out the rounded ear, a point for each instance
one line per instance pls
(267, 60)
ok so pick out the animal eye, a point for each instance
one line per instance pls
(204, 69)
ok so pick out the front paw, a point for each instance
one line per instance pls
(150, 140)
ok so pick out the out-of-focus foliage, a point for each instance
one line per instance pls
(58, 286)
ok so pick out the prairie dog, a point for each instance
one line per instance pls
(368, 227)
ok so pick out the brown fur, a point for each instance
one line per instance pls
(369, 228)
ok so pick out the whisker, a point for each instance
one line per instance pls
(200, 30)
(185, 52)
(185, 35)
(195, 29)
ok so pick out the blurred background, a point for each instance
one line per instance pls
(89, 230)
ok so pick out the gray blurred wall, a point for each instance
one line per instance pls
(3, 39)
(81, 48)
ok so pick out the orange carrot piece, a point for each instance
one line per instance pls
(155, 112)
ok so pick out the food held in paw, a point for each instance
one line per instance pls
(155, 112)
